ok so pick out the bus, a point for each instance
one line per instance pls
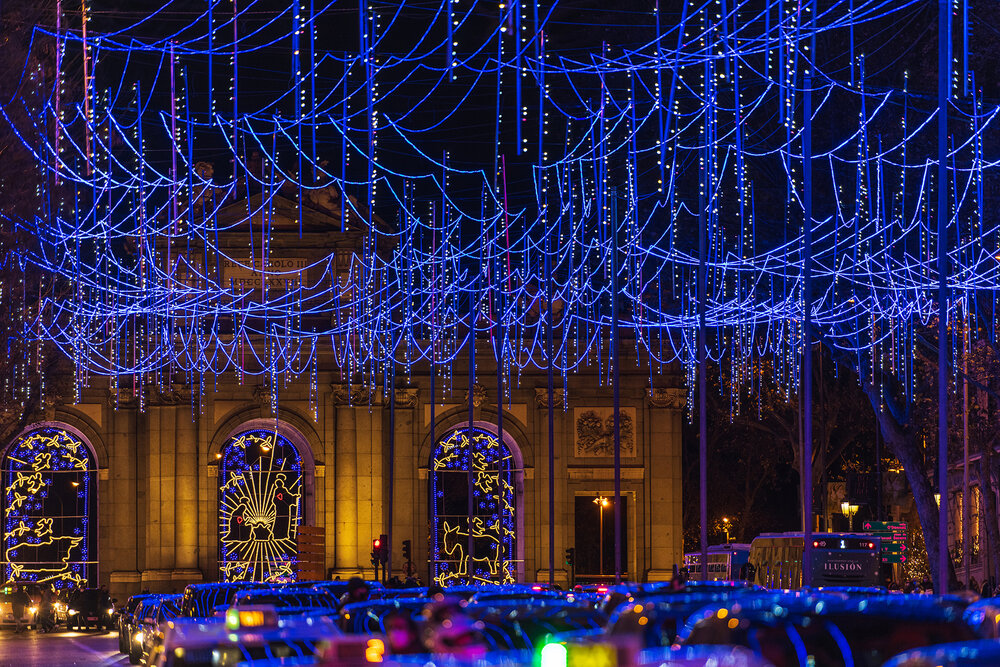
(726, 562)
(838, 559)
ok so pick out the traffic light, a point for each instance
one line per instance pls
(383, 554)
(406, 551)
(571, 556)
(376, 551)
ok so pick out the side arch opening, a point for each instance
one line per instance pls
(50, 507)
(472, 461)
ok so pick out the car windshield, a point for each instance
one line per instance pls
(133, 603)
(367, 617)
(201, 601)
(144, 609)
(168, 608)
(288, 599)
(771, 641)
(92, 595)
(527, 628)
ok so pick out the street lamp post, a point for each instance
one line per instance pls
(601, 503)
(725, 527)
(849, 509)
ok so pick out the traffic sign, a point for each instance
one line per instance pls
(893, 537)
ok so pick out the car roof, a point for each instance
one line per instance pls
(290, 592)
(980, 653)
(779, 606)
(192, 632)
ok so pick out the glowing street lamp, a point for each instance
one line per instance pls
(601, 503)
(849, 510)
(725, 527)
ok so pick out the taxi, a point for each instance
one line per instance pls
(126, 616)
(161, 609)
(981, 653)
(830, 629)
(286, 599)
(245, 634)
(186, 642)
(624, 652)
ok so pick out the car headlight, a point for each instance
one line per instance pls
(111, 611)
(138, 636)
(71, 612)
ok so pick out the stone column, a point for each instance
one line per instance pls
(119, 533)
(564, 503)
(159, 507)
(665, 528)
(406, 499)
(345, 536)
(186, 491)
(369, 508)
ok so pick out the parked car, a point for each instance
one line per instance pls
(126, 628)
(90, 608)
(164, 608)
(7, 610)
(202, 600)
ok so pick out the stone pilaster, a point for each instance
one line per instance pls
(345, 534)
(406, 488)
(186, 487)
(665, 527)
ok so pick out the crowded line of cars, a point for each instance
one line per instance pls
(722, 623)
(44, 608)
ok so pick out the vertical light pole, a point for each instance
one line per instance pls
(849, 510)
(601, 503)
(725, 527)
(944, 80)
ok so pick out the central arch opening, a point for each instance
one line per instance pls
(471, 464)
(260, 507)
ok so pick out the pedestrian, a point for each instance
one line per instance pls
(402, 633)
(357, 591)
(20, 602)
(46, 615)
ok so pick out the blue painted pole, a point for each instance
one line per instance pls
(944, 71)
(807, 396)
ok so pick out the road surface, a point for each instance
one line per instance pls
(55, 649)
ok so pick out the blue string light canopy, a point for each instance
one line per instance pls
(471, 152)
(499, 171)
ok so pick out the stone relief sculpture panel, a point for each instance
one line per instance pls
(594, 432)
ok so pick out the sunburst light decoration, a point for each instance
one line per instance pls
(473, 456)
(48, 479)
(260, 507)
